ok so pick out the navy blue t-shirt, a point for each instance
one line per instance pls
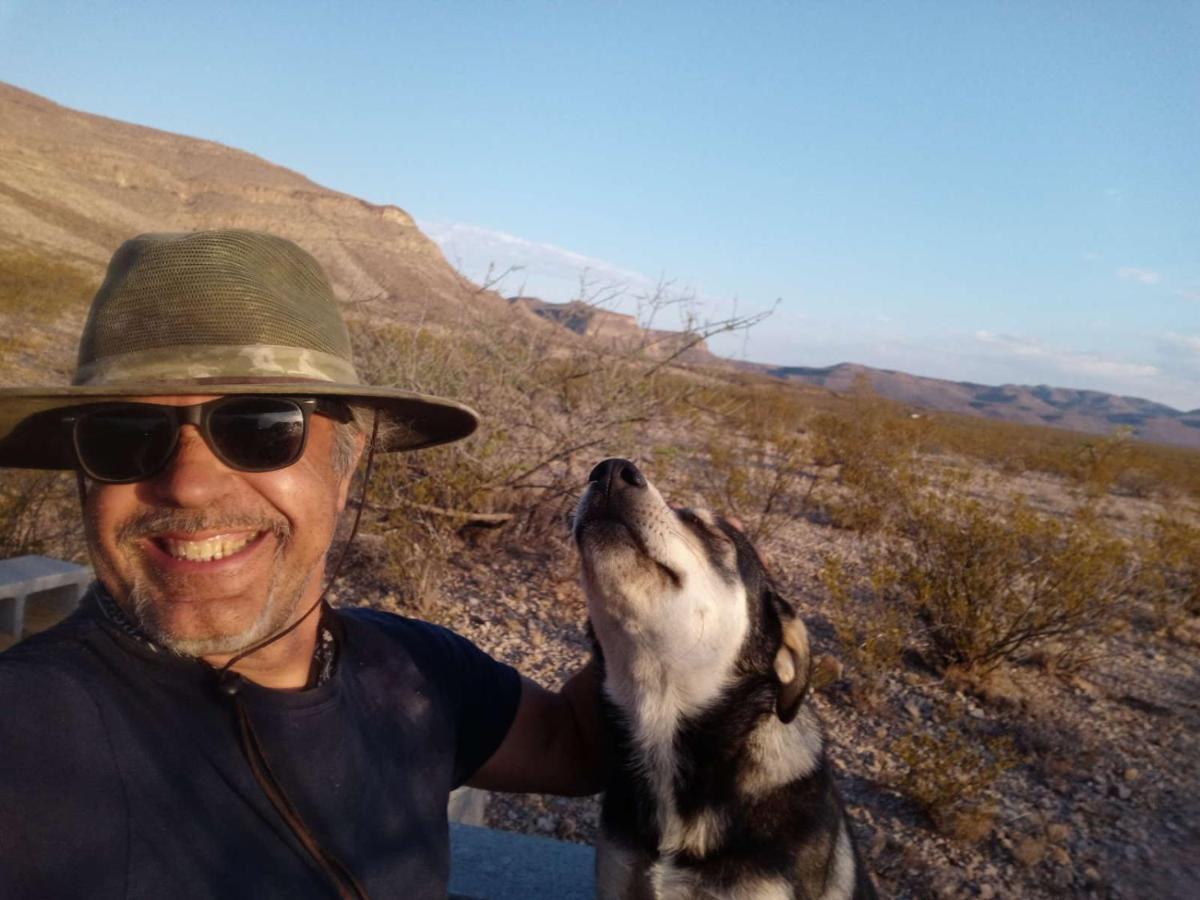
(121, 772)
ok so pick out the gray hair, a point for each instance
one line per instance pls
(346, 436)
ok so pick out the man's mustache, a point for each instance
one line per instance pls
(156, 521)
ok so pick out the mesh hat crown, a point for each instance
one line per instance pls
(221, 312)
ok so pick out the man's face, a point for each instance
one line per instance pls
(209, 559)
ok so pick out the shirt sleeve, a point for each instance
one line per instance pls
(482, 695)
(62, 811)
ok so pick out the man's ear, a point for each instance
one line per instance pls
(793, 664)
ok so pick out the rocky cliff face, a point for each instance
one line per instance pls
(76, 185)
(617, 330)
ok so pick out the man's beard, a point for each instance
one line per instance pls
(146, 609)
(280, 603)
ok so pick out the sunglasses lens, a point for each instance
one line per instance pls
(258, 433)
(124, 443)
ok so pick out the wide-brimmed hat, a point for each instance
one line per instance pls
(214, 312)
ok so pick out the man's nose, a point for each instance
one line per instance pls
(193, 476)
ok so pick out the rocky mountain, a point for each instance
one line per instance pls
(75, 185)
(1078, 410)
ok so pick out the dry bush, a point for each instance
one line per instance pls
(752, 462)
(1141, 469)
(39, 515)
(873, 443)
(552, 405)
(988, 587)
(40, 286)
(36, 290)
(948, 772)
(872, 631)
(1170, 571)
(1101, 463)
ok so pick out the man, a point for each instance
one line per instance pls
(205, 725)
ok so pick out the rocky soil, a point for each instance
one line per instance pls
(1104, 798)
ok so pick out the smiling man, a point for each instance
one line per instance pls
(206, 725)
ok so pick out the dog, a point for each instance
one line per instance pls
(717, 785)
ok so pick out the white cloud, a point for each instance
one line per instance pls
(1189, 295)
(1185, 347)
(537, 269)
(1068, 361)
(553, 273)
(1142, 276)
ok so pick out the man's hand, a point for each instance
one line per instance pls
(553, 746)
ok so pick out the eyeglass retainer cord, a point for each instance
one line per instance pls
(230, 684)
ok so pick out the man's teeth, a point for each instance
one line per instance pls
(209, 549)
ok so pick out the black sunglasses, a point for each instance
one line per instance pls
(119, 443)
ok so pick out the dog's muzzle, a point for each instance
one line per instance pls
(616, 492)
(616, 473)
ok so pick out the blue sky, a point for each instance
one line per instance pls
(1000, 192)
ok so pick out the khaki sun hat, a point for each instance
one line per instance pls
(214, 312)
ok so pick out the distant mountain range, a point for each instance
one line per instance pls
(75, 185)
(1090, 411)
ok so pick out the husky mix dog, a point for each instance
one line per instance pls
(718, 785)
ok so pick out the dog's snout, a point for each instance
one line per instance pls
(612, 472)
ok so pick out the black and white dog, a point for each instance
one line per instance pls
(718, 785)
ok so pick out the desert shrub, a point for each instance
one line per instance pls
(1101, 463)
(552, 405)
(1170, 571)
(873, 444)
(1141, 468)
(872, 631)
(987, 587)
(759, 473)
(42, 286)
(39, 515)
(948, 772)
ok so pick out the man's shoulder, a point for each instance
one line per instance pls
(389, 639)
(47, 683)
(57, 657)
(365, 620)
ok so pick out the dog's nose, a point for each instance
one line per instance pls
(609, 471)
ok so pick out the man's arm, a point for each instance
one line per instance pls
(553, 744)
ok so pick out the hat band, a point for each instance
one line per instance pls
(224, 362)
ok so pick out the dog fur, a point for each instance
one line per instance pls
(718, 785)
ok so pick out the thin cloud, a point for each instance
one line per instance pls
(1142, 276)
(1069, 361)
(1180, 344)
(553, 273)
(551, 269)
(1189, 295)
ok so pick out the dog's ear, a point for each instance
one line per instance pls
(793, 664)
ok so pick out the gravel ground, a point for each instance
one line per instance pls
(1102, 803)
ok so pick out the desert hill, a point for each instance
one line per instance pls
(1078, 410)
(75, 185)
